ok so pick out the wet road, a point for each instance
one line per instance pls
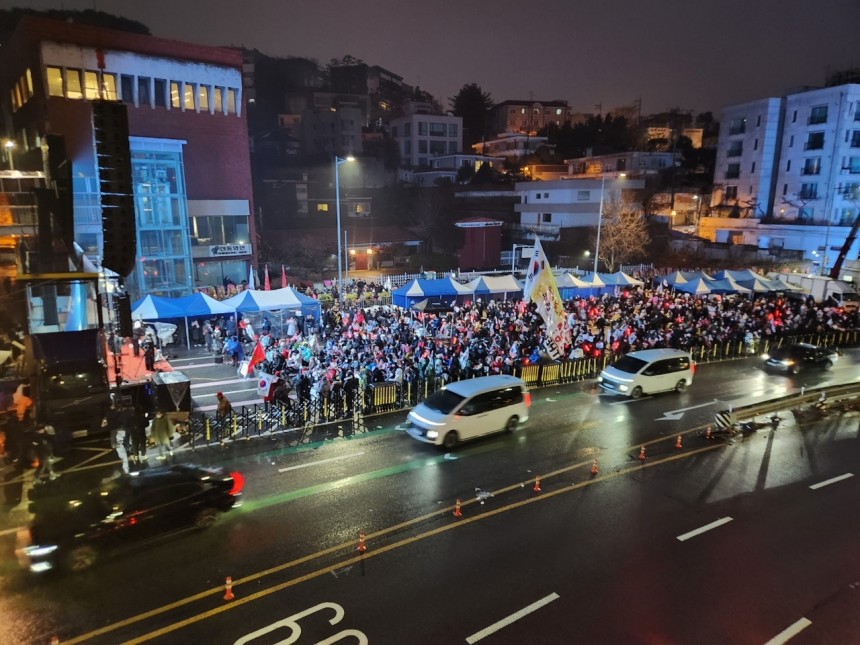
(605, 545)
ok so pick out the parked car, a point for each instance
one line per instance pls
(798, 357)
(73, 534)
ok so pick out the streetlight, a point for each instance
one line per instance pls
(337, 162)
(9, 144)
(600, 215)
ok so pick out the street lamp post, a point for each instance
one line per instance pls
(599, 219)
(9, 144)
(337, 162)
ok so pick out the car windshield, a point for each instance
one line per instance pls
(443, 401)
(64, 386)
(630, 364)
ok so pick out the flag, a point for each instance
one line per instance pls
(542, 289)
(266, 285)
(257, 356)
(251, 278)
(283, 277)
(464, 360)
(264, 384)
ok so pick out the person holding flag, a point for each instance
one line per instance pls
(266, 387)
(541, 288)
(257, 356)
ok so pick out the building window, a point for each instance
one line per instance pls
(805, 213)
(174, 94)
(231, 101)
(731, 193)
(422, 128)
(407, 129)
(791, 141)
(794, 117)
(847, 217)
(160, 94)
(733, 171)
(407, 147)
(546, 218)
(73, 84)
(583, 195)
(855, 139)
(55, 81)
(126, 86)
(203, 98)
(452, 130)
(755, 144)
(188, 94)
(422, 146)
(752, 168)
(438, 129)
(144, 95)
(758, 121)
(91, 85)
(109, 86)
(817, 115)
(811, 166)
(322, 208)
(808, 191)
(218, 100)
(736, 149)
(546, 195)
(854, 165)
(815, 141)
(788, 166)
(537, 196)
(850, 192)
(737, 126)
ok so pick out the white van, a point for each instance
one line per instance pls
(471, 408)
(649, 371)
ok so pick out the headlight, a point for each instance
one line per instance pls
(39, 551)
(600, 379)
(765, 356)
(787, 362)
(432, 434)
(623, 388)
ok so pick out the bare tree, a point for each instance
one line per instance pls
(623, 232)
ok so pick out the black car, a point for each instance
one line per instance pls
(798, 357)
(73, 534)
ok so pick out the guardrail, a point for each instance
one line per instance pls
(342, 411)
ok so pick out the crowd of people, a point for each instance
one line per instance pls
(351, 349)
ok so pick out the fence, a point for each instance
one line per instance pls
(342, 412)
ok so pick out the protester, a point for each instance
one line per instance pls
(161, 432)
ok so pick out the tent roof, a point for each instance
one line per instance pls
(156, 308)
(696, 286)
(200, 304)
(743, 274)
(568, 280)
(593, 280)
(620, 278)
(494, 284)
(439, 287)
(260, 300)
(727, 285)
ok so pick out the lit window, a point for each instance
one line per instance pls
(73, 84)
(218, 100)
(189, 96)
(91, 85)
(231, 101)
(322, 208)
(203, 96)
(29, 78)
(109, 86)
(174, 94)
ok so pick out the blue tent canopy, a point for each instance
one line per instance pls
(199, 304)
(444, 289)
(156, 308)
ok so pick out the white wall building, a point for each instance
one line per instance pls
(422, 137)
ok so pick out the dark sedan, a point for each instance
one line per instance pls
(74, 533)
(798, 357)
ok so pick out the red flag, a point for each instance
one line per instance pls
(257, 356)
(266, 285)
(283, 277)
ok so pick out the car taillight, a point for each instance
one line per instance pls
(527, 399)
(238, 483)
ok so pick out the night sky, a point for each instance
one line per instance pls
(693, 54)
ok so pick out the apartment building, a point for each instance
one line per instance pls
(528, 117)
(188, 141)
(422, 136)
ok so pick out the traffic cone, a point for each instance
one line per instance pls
(678, 442)
(457, 512)
(593, 466)
(708, 433)
(361, 548)
(537, 484)
(228, 589)
(642, 453)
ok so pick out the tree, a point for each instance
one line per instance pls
(623, 232)
(472, 104)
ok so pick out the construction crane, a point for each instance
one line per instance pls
(849, 241)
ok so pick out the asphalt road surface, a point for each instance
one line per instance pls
(708, 543)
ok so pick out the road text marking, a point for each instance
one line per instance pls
(827, 482)
(790, 632)
(321, 461)
(525, 611)
(704, 529)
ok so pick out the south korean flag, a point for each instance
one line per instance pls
(265, 384)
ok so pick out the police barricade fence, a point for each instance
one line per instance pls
(347, 409)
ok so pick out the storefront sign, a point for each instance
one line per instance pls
(229, 249)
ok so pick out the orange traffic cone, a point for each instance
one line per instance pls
(642, 453)
(593, 466)
(457, 512)
(361, 548)
(537, 484)
(678, 442)
(228, 589)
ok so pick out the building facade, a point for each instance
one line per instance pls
(421, 137)
(528, 117)
(188, 140)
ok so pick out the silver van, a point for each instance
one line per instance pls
(649, 371)
(471, 408)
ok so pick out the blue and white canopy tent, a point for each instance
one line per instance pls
(443, 289)
(698, 286)
(285, 299)
(504, 286)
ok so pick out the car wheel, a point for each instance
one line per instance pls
(828, 364)
(205, 518)
(681, 386)
(794, 370)
(80, 558)
(512, 424)
(451, 440)
(636, 393)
